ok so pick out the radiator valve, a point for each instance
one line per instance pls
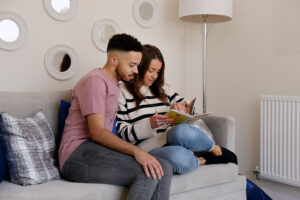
(256, 173)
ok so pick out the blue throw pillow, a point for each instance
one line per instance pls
(3, 164)
(114, 129)
(63, 114)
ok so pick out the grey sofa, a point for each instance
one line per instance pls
(207, 182)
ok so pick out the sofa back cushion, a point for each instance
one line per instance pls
(23, 104)
(29, 148)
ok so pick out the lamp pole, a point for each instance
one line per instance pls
(204, 62)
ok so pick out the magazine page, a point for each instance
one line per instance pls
(178, 116)
(196, 117)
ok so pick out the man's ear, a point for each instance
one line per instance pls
(114, 60)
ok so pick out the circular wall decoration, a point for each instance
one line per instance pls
(61, 62)
(145, 12)
(61, 10)
(12, 31)
(102, 31)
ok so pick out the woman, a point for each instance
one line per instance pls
(141, 118)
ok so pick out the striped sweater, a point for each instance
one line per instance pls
(133, 125)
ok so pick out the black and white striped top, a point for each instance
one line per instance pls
(133, 125)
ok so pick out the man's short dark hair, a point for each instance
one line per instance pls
(124, 42)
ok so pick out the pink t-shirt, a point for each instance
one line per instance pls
(94, 93)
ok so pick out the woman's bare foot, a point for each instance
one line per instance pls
(202, 161)
(217, 151)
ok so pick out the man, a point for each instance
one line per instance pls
(89, 151)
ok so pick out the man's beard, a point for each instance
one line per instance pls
(123, 76)
(120, 74)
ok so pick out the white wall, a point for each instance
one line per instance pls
(23, 70)
(258, 52)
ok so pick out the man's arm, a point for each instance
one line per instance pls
(106, 138)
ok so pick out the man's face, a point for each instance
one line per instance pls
(127, 66)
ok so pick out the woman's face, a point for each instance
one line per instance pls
(152, 72)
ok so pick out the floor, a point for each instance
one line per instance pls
(277, 191)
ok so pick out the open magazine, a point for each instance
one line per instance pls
(187, 116)
(180, 117)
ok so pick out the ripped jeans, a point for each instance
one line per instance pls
(182, 141)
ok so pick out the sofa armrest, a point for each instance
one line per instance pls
(223, 129)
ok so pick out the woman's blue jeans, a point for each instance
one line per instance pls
(182, 141)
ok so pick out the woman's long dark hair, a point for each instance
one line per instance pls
(150, 52)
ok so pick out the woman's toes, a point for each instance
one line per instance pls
(202, 161)
(217, 151)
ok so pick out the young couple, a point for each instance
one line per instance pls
(90, 152)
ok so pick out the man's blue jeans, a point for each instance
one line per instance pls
(183, 140)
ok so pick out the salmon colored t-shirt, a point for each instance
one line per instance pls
(94, 93)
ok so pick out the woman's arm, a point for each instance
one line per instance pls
(129, 125)
(176, 101)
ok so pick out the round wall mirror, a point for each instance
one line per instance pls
(145, 12)
(102, 31)
(105, 33)
(9, 30)
(12, 31)
(61, 6)
(61, 10)
(61, 62)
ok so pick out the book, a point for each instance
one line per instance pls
(180, 117)
(187, 116)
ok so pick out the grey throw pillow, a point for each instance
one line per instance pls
(29, 148)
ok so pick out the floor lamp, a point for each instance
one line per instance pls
(205, 11)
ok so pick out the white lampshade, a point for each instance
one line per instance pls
(215, 10)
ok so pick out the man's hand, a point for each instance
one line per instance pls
(149, 163)
(158, 120)
(179, 106)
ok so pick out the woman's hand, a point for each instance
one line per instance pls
(179, 106)
(150, 164)
(158, 120)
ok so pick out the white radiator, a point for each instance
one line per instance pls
(280, 139)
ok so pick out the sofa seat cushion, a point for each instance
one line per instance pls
(235, 190)
(60, 189)
(204, 176)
